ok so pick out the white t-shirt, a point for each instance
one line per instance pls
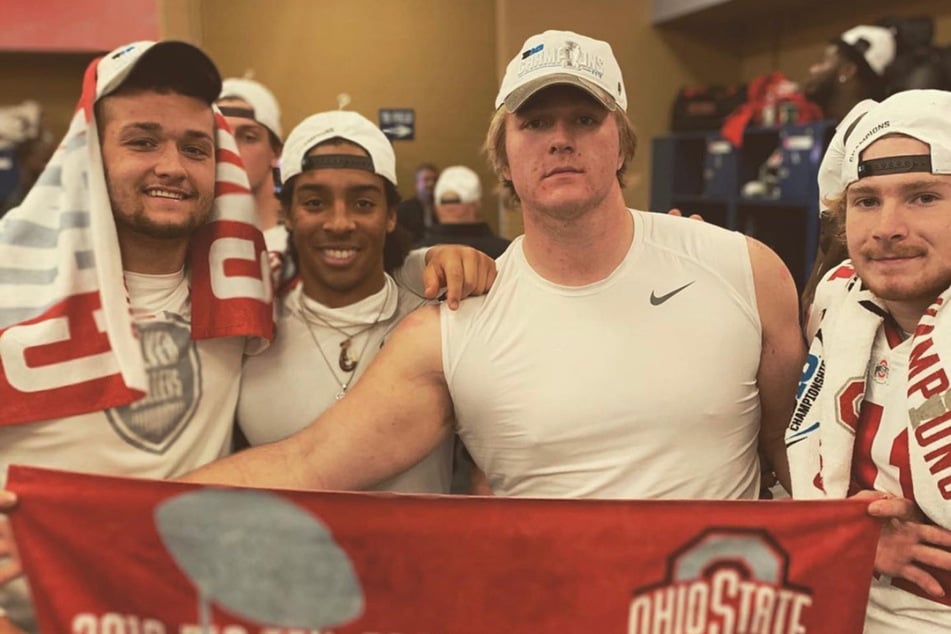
(185, 420)
(300, 375)
(641, 385)
(275, 239)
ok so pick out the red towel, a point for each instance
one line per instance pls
(774, 88)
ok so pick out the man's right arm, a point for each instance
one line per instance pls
(393, 417)
(781, 356)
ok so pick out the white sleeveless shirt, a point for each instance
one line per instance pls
(641, 385)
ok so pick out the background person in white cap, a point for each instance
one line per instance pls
(619, 354)
(254, 116)
(138, 233)
(458, 197)
(339, 197)
(874, 409)
(853, 68)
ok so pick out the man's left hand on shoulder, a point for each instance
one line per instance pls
(461, 270)
(677, 212)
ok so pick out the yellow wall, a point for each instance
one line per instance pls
(430, 55)
(445, 58)
(52, 79)
(180, 20)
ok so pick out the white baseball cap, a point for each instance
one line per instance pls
(875, 45)
(264, 107)
(830, 169)
(165, 58)
(345, 125)
(19, 123)
(920, 114)
(563, 57)
(457, 184)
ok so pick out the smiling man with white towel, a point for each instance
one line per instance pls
(133, 279)
(874, 410)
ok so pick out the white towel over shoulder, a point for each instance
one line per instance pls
(821, 434)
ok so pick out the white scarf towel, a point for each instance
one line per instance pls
(821, 435)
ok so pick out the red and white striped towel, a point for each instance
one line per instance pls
(67, 342)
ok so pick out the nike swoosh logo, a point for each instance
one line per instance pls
(657, 301)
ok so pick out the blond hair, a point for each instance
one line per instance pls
(834, 211)
(495, 148)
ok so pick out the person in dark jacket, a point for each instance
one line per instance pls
(458, 197)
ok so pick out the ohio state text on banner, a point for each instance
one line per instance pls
(144, 557)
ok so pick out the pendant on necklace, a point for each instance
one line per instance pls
(341, 393)
(346, 362)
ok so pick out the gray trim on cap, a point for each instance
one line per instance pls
(517, 98)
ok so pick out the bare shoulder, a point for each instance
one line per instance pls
(420, 327)
(417, 342)
(766, 263)
(426, 316)
(776, 296)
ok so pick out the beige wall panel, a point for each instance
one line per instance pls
(434, 56)
(445, 59)
(52, 79)
(180, 20)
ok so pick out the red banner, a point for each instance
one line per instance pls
(145, 557)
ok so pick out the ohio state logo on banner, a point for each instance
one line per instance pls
(726, 580)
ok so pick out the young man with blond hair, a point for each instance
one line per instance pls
(873, 410)
(254, 116)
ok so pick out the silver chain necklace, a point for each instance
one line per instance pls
(347, 363)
